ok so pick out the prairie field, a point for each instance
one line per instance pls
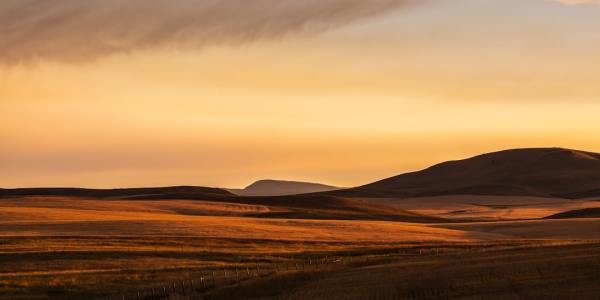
(489, 208)
(73, 248)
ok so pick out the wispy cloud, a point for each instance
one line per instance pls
(71, 30)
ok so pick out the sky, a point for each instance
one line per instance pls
(123, 93)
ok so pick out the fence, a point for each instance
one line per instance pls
(213, 278)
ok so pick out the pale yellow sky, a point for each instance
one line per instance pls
(385, 94)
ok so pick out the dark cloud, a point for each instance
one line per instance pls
(72, 30)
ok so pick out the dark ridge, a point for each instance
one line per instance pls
(580, 213)
(177, 192)
(545, 172)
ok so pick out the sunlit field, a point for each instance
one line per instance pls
(71, 248)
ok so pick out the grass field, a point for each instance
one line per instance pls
(476, 272)
(62, 248)
(489, 208)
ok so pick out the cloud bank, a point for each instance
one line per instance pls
(72, 30)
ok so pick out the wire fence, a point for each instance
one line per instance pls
(213, 278)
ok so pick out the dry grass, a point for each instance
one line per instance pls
(49, 216)
(87, 267)
(58, 248)
(526, 272)
(567, 229)
(96, 267)
(488, 208)
(85, 248)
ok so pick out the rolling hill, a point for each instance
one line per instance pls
(593, 212)
(282, 188)
(511, 184)
(177, 192)
(211, 201)
(539, 172)
(319, 206)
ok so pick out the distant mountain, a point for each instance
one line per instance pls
(282, 188)
(177, 192)
(545, 172)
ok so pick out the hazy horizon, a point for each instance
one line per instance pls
(104, 94)
(267, 178)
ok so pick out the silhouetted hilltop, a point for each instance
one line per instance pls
(580, 213)
(281, 188)
(548, 172)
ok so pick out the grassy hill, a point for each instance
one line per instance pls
(541, 172)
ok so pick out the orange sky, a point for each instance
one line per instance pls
(369, 98)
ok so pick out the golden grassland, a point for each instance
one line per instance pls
(533, 271)
(63, 248)
(489, 208)
(84, 267)
(99, 267)
(133, 218)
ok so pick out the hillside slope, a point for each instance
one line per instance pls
(215, 202)
(542, 172)
(593, 212)
(318, 206)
